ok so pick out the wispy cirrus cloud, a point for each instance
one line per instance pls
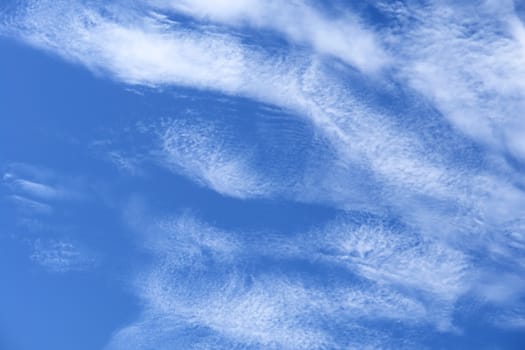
(363, 270)
(211, 279)
(430, 191)
(39, 195)
(196, 151)
(341, 36)
(60, 256)
(468, 59)
(452, 207)
(219, 156)
(29, 205)
(230, 310)
(144, 52)
(152, 50)
(37, 188)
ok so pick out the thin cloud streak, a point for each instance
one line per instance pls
(450, 213)
(205, 277)
(342, 36)
(60, 256)
(468, 59)
(157, 52)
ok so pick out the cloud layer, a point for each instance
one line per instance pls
(410, 130)
(209, 279)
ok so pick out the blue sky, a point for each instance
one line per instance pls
(258, 174)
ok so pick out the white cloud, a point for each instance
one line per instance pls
(393, 257)
(124, 163)
(268, 312)
(430, 272)
(196, 150)
(381, 303)
(342, 36)
(468, 59)
(31, 206)
(210, 279)
(512, 321)
(197, 281)
(143, 50)
(60, 256)
(38, 184)
(461, 63)
(185, 241)
(151, 50)
(36, 189)
(379, 253)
